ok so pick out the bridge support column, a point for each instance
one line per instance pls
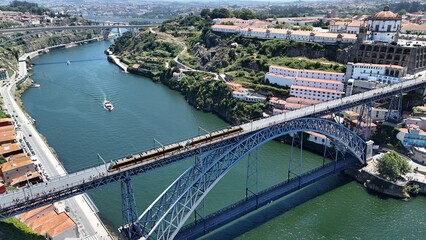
(252, 176)
(131, 228)
(297, 141)
(395, 108)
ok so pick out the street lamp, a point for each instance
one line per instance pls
(28, 183)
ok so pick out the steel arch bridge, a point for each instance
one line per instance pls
(164, 218)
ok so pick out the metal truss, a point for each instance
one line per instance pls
(129, 211)
(395, 108)
(364, 118)
(295, 167)
(252, 177)
(164, 218)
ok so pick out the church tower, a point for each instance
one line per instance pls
(384, 26)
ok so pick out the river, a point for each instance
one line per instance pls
(69, 113)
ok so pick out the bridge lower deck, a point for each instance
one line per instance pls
(243, 207)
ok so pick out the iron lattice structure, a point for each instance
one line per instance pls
(164, 218)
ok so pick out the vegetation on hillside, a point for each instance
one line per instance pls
(24, 6)
(392, 166)
(146, 53)
(214, 96)
(11, 228)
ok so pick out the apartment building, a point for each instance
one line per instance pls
(19, 172)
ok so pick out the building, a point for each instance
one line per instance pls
(304, 101)
(337, 27)
(308, 84)
(366, 130)
(242, 93)
(284, 76)
(384, 26)
(412, 28)
(319, 138)
(379, 72)
(19, 172)
(417, 121)
(315, 93)
(354, 27)
(296, 21)
(3, 74)
(411, 135)
(7, 137)
(50, 222)
(377, 114)
(287, 34)
(383, 46)
(277, 103)
(10, 149)
(5, 122)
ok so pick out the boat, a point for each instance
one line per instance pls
(108, 105)
(68, 62)
(35, 85)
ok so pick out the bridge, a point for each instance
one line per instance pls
(61, 28)
(215, 154)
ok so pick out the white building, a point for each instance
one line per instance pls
(337, 27)
(319, 138)
(304, 36)
(384, 26)
(303, 73)
(242, 93)
(315, 93)
(377, 114)
(354, 27)
(418, 121)
(375, 72)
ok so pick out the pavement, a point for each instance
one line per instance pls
(86, 219)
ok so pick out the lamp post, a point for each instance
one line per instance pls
(28, 184)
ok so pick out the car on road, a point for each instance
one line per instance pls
(67, 209)
(30, 135)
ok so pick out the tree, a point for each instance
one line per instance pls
(392, 166)
(402, 12)
(205, 13)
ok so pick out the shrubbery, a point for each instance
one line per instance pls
(392, 166)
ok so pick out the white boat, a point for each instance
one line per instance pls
(35, 85)
(108, 105)
(68, 62)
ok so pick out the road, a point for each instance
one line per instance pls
(90, 224)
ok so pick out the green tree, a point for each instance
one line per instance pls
(402, 12)
(205, 13)
(393, 166)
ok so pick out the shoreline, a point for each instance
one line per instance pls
(84, 203)
(114, 59)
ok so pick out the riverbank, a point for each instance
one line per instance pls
(83, 213)
(406, 187)
(114, 59)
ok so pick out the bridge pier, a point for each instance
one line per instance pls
(252, 178)
(395, 108)
(131, 228)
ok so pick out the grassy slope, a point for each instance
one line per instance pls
(11, 228)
